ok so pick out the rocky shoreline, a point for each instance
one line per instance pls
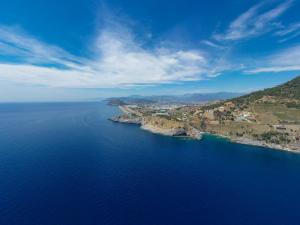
(164, 126)
(247, 141)
(193, 133)
(185, 131)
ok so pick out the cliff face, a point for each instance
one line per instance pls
(169, 127)
(160, 125)
(163, 126)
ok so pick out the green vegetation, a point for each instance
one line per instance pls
(275, 137)
(295, 105)
(290, 89)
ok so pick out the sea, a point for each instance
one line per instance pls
(67, 164)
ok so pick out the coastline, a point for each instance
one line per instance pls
(244, 141)
(247, 141)
(193, 133)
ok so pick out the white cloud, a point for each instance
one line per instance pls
(273, 69)
(254, 22)
(119, 60)
(290, 56)
(285, 60)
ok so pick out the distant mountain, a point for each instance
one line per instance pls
(207, 97)
(195, 98)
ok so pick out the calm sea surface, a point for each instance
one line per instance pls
(66, 164)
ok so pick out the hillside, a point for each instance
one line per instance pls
(270, 116)
(288, 90)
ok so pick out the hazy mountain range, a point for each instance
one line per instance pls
(194, 98)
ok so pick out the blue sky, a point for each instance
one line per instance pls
(88, 49)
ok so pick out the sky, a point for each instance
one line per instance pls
(77, 50)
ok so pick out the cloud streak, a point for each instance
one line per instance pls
(254, 22)
(289, 32)
(285, 60)
(14, 42)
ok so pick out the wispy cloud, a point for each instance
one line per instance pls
(289, 32)
(285, 60)
(212, 44)
(118, 60)
(273, 69)
(14, 42)
(254, 22)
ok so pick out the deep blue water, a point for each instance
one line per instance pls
(66, 164)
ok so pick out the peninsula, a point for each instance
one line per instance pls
(269, 118)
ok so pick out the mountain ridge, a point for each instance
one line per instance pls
(190, 98)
